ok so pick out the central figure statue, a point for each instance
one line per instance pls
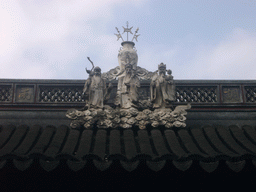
(128, 84)
(128, 81)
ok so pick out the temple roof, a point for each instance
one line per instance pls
(34, 128)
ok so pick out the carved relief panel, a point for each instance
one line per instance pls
(25, 94)
(231, 94)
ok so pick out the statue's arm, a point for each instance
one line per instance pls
(152, 91)
(86, 85)
(153, 81)
(85, 89)
(120, 73)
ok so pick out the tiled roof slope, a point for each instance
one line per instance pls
(49, 145)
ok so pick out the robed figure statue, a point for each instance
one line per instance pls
(128, 84)
(95, 87)
(162, 88)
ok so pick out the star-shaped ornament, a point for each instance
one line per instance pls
(127, 30)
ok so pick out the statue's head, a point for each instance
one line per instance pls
(162, 68)
(128, 68)
(169, 72)
(97, 71)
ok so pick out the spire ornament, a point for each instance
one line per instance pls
(136, 36)
(119, 35)
(127, 30)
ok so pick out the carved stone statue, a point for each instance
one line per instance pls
(162, 88)
(127, 92)
(95, 87)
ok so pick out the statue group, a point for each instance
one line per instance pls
(162, 88)
(129, 110)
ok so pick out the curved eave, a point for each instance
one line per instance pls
(208, 145)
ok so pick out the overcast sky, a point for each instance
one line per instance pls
(197, 39)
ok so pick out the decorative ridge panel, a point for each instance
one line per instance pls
(6, 93)
(69, 92)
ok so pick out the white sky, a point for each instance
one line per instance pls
(51, 39)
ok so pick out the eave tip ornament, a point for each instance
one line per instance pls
(129, 109)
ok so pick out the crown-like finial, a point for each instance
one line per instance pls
(127, 30)
(161, 66)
